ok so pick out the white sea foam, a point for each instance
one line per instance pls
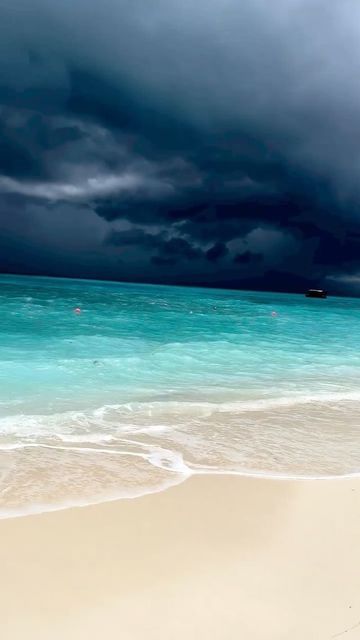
(39, 508)
(133, 449)
(22, 424)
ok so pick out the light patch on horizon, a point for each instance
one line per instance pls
(353, 279)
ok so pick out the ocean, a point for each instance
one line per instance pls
(148, 385)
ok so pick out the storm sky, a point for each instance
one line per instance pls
(207, 142)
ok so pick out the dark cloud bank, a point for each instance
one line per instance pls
(213, 143)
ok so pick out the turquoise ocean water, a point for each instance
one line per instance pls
(150, 384)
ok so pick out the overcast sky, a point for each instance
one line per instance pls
(212, 142)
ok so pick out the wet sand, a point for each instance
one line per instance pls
(222, 558)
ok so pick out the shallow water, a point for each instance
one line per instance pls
(150, 384)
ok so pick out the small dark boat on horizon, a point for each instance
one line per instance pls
(316, 293)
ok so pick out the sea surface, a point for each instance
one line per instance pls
(150, 384)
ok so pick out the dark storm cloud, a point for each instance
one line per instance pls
(160, 246)
(216, 252)
(210, 142)
(246, 257)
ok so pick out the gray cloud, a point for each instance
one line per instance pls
(85, 189)
(223, 133)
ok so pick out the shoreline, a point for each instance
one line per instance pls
(219, 557)
(38, 510)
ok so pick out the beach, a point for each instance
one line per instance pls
(207, 454)
(218, 557)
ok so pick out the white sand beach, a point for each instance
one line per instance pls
(216, 557)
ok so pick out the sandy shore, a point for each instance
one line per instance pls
(222, 558)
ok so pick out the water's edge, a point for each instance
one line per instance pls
(38, 510)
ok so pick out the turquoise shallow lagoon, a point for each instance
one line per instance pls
(149, 384)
